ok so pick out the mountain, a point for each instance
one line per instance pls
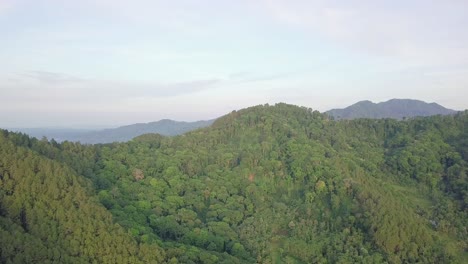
(164, 127)
(58, 134)
(266, 184)
(394, 108)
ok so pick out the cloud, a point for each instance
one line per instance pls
(419, 32)
(184, 16)
(50, 78)
(46, 90)
(250, 77)
(50, 90)
(5, 5)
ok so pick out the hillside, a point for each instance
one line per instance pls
(266, 184)
(164, 127)
(395, 108)
(48, 215)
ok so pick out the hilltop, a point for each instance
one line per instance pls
(394, 108)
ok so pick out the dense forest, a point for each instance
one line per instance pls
(267, 184)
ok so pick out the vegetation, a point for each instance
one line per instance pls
(267, 184)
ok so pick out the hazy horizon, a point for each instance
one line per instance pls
(87, 127)
(85, 64)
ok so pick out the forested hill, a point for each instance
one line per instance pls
(164, 127)
(395, 108)
(49, 212)
(267, 184)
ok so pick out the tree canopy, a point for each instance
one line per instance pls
(266, 184)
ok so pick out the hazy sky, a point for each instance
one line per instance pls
(109, 62)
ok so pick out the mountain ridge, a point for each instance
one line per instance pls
(165, 127)
(393, 108)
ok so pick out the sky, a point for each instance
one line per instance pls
(105, 63)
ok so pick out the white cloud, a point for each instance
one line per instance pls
(420, 32)
(5, 5)
(55, 91)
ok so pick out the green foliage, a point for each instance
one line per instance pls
(48, 215)
(267, 184)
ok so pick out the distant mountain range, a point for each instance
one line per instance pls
(164, 127)
(394, 108)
